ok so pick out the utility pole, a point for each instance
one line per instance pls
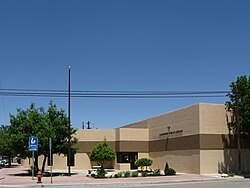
(69, 135)
(238, 129)
(50, 159)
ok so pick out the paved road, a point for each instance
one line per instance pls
(207, 184)
(244, 183)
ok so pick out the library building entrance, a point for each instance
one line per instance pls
(127, 157)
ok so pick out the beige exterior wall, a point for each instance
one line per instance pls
(175, 148)
(186, 119)
(186, 161)
(96, 134)
(215, 156)
(218, 161)
(132, 140)
(212, 119)
(143, 155)
(132, 134)
(59, 162)
(82, 161)
(26, 163)
(211, 161)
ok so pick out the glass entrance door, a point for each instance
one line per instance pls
(127, 157)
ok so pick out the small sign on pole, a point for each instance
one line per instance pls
(33, 143)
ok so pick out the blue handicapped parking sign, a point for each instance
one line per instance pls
(33, 143)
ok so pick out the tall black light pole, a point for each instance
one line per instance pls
(69, 135)
(238, 129)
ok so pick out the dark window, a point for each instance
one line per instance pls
(123, 157)
(127, 157)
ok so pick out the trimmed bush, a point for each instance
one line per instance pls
(126, 174)
(169, 172)
(134, 174)
(102, 153)
(166, 165)
(156, 172)
(144, 174)
(143, 162)
(119, 174)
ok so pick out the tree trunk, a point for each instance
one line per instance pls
(44, 162)
(9, 161)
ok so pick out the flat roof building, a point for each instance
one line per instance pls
(194, 139)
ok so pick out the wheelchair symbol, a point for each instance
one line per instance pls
(33, 140)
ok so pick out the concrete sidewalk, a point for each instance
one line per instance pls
(18, 175)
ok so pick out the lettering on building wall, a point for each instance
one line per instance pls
(171, 133)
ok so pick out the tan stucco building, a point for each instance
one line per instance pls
(194, 139)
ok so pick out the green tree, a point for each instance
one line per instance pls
(241, 90)
(102, 153)
(239, 110)
(58, 121)
(6, 144)
(143, 162)
(34, 121)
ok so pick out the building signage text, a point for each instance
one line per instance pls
(171, 133)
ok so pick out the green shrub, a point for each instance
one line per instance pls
(156, 172)
(134, 174)
(116, 176)
(143, 162)
(166, 165)
(126, 174)
(101, 173)
(102, 153)
(231, 174)
(119, 174)
(144, 174)
(169, 172)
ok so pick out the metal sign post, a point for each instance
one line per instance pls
(33, 146)
(33, 165)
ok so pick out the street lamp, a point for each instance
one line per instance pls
(69, 146)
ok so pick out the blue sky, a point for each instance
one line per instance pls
(166, 45)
